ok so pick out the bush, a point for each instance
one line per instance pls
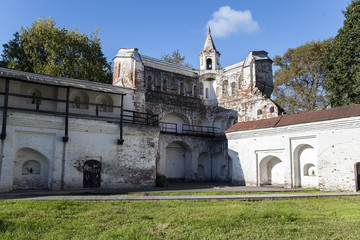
(161, 181)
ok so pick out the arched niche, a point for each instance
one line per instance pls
(204, 167)
(31, 170)
(178, 163)
(105, 103)
(79, 99)
(203, 121)
(230, 122)
(177, 118)
(219, 124)
(305, 161)
(219, 167)
(271, 171)
(35, 95)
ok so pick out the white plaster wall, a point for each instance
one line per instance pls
(335, 146)
(129, 165)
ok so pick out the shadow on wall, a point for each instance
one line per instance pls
(237, 173)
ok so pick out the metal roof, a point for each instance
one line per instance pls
(59, 81)
(287, 120)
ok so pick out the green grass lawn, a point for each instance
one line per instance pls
(310, 218)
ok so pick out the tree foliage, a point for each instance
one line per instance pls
(47, 49)
(175, 57)
(342, 61)
(299, 82)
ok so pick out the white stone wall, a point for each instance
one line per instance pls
(329, 148)
(129, 165)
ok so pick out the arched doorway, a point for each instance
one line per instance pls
(357, 175)
(31, 170)
(271, 171)
(178, 163)
(92, 174)
(204, 167)
(219, 167)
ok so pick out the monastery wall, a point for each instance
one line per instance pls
(320, 155)
(36, 158)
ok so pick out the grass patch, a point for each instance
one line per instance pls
(309, 218)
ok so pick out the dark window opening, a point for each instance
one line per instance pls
(209, 63)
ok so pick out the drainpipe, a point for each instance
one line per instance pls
(5, 107)
(121, 140)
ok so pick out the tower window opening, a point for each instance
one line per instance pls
(209, 64)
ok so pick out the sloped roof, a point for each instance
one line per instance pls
(286, 120)
(59, 81)
(209, 43)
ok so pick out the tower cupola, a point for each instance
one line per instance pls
(209, 56)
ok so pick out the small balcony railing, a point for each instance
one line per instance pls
(187, 129)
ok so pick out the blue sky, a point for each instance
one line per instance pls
(157, 27)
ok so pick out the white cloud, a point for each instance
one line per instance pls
(227, 21)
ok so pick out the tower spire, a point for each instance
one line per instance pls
(209, 43)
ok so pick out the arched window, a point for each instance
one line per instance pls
(224, 88)
(76, 103)
(201, 88)
(259, 112)
(157, 80)
(173, 84)
(164, 85)
(209, 63)
(240, 80)
(207, 93)
(272, 109)
(232, 88)
(149, 82)
(118, 70)
(195, 91)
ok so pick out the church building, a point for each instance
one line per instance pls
(159, 118)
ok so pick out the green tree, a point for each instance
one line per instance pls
(47, 49)
(299, 82)
(342, 61)
(175, 57)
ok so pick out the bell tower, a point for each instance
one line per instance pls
(209, 56)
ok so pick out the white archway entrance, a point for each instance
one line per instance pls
(271, 171)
